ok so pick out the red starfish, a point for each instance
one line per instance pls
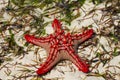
(60, 46)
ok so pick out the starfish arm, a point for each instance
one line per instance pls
(36, 41)
(82, 37)
(52, 59)
(81, 65)
(56, 24)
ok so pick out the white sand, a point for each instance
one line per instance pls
(54, 73)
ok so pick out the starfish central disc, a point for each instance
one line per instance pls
(61, 41)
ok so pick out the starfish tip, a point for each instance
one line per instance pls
(91, 30)
(41, 71)
(55, 20)
(56, 23)
(85, 70)
(28, 37)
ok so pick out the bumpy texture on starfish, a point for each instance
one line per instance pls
(60, 46)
